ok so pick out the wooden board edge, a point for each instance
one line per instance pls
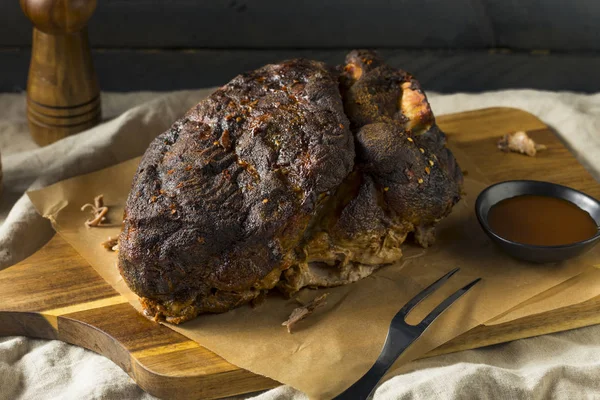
(558, 320)
(29, 324)
(207, 386)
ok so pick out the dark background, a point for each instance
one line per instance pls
(450, 45)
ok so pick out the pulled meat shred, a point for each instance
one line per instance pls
(99, 211)
(519, 142)
(302, 312)
(111, 244)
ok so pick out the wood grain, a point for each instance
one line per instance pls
(55, 294)
(63, 96)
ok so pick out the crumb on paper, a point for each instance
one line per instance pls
(302, 312)
(111, 244)
(98, 210)
(519, 142)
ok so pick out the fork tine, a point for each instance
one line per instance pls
(445, 304)
(412, 303)
(400, 336)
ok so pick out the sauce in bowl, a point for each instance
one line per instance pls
(541, 221)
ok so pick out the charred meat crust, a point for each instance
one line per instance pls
(221, 199)
(291, 175)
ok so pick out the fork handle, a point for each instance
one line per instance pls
(396, 342)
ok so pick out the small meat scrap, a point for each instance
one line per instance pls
(111, 244)
(98, 210)
(260, 299)
(302, 312)
(519, 142)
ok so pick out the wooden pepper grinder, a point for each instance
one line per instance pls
(63, 96)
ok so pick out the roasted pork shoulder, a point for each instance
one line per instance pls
(296, 174)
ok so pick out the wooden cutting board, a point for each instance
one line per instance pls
(55, 294)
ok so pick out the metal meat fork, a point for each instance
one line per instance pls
(400, 336)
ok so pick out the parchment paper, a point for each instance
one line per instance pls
(576, 290)
(335, 346)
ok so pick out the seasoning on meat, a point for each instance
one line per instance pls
(519, 142)
(99, 211)
(302, 312)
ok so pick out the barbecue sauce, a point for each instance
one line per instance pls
(541, 221)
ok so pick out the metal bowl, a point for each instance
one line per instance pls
(538, 254)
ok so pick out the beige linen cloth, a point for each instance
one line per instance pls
(564, 365)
